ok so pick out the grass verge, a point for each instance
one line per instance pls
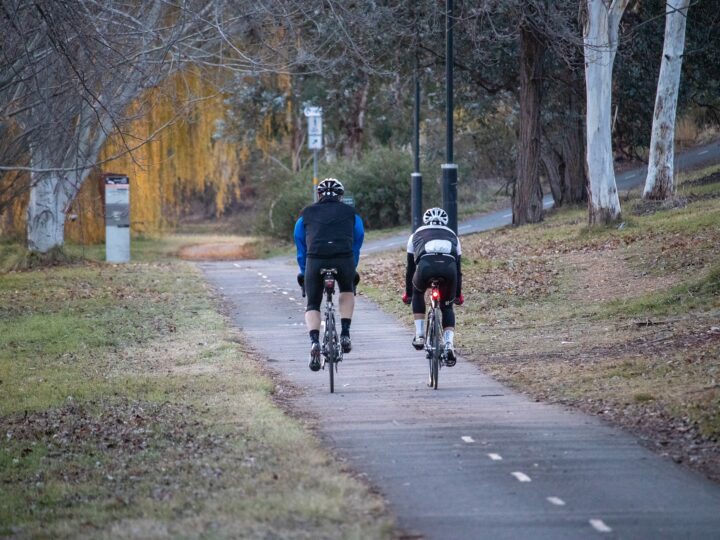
(622, 321)
(128, 408)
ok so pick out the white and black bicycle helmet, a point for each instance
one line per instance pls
(435, 216)
(330, 187)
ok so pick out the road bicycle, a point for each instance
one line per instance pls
(434, 341)
(330, 349)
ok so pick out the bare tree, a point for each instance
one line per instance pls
(659, 183)
(601, 41)
(72, 70)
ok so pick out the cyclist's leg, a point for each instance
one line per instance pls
(313, 292)
(418, 305)
(346, 301)
(447, 293)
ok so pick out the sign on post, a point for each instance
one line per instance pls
(117, 218)
(315, 138)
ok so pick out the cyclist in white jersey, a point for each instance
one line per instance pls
(433, 252)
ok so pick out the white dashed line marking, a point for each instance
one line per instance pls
(521, 476)
(557, 501)
(467, 439)
(507, 215)
(600, 526)
(703, 152)
(236, 265)
(284, 292)
(260, 274)
(495, 457)
(291, 299)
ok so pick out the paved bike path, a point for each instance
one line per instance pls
(472, 459)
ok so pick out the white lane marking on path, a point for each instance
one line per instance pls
(291, 299)
(284, 292)
(467, 439)
(600, 526)
(703, 152)
(259, 273)
(507, 215)
(521, 476)
(557, 501)
(236, 265)
(495, 457)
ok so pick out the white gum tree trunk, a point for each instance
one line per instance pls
(600, 45)
(659, 183)
(46, 211)
(57, 174)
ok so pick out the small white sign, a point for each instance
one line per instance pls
(315, 142)
(314, 125)
(315, 138)
(313, 111)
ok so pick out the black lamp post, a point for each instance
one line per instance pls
(449, 168)
(416, 177)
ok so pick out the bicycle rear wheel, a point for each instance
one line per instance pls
(436, 349)
(331, 350)
(433, 349)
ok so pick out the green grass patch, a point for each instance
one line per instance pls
(698, 294)
(128, 408)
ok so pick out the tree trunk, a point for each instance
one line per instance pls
(659, 183)
(46, 211)
(527, 196)
(356, 128)
(573, 146)
(554, 171)
(600, 45)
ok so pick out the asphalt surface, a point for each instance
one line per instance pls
(473, 459)
(693, 158)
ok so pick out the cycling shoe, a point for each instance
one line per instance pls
(346, 344)
(314, 363)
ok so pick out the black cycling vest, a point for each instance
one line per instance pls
(329, 228)
(434, 240)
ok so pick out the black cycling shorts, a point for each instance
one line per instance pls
(313, 280)
(437, 266)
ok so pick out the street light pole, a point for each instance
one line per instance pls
(416, 177)
(449, 168)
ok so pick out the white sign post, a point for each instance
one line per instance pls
(315, 139)
(117, 218)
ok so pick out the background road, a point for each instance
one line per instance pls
(691, 159)
(472, 459)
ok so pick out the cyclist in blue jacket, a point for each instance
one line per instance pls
(328, 234)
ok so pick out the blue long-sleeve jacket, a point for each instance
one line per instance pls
(301, 245)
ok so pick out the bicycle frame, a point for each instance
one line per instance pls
(434, 343)
(331, 349)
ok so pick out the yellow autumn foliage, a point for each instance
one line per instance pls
(183, 161)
